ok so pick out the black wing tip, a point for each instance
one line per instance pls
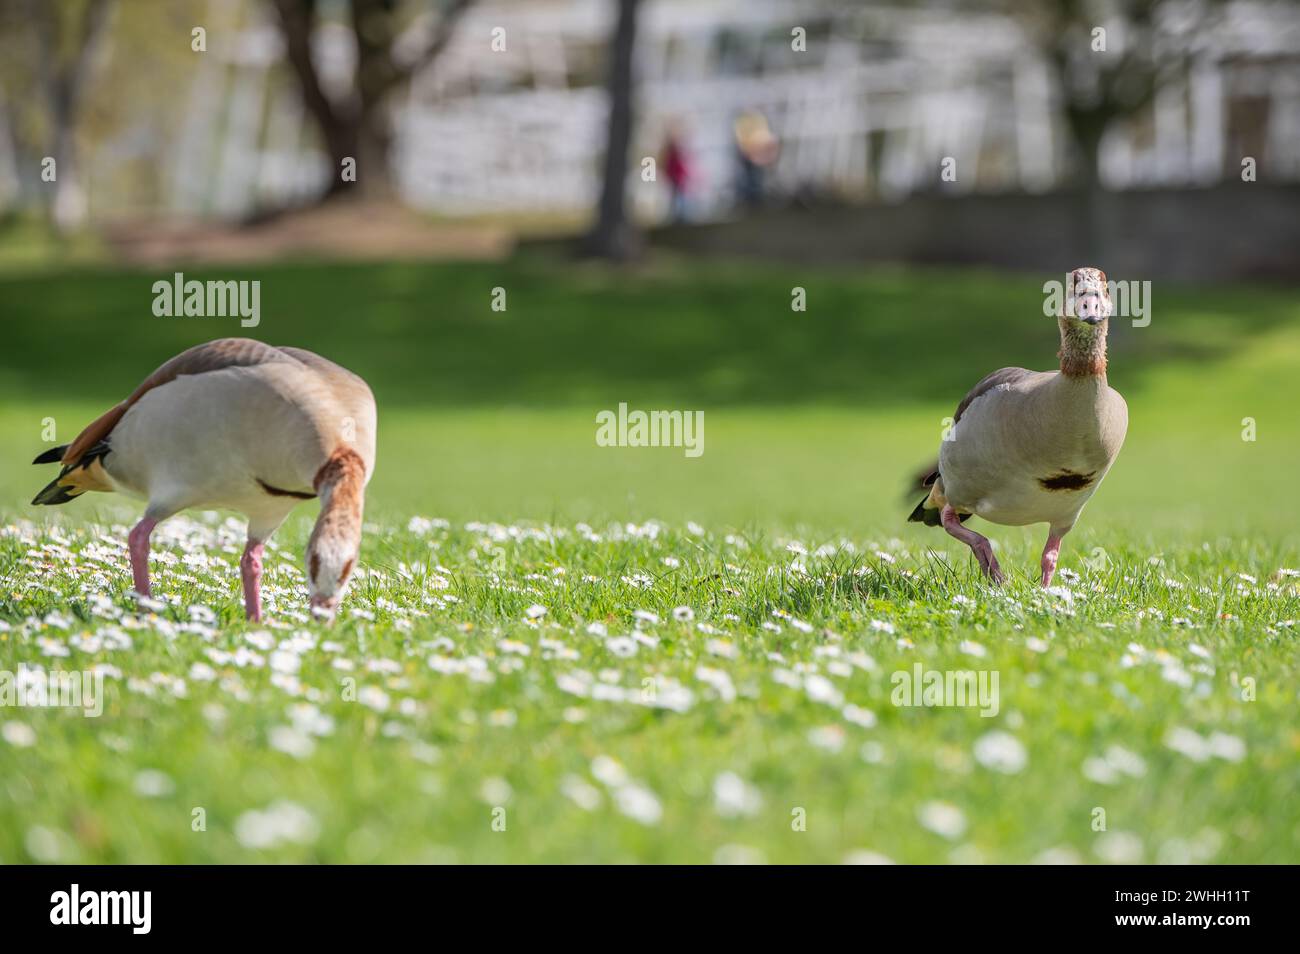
(932, 516)
(928, 517)
(51, 456)
(278, 492)
(55, 493)
(922, 480)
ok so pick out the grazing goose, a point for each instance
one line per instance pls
(1032, 446)
(239, 425)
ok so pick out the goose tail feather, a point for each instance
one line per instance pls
(52, 456)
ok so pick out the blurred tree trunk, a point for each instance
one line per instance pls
(1107, 68)
(67, 46)
(1109, 77)
(358, 126)
(614, 237)
(10, 183)
(1088, 125)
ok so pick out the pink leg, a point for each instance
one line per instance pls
(138, 545)
(250, 568)
(1050, 553)
(979, 545)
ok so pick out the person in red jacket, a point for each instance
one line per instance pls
(677, 168)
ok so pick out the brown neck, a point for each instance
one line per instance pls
(341, 484)
(1083, 350)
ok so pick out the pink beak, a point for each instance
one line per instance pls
(1090, 308)
(324, 608)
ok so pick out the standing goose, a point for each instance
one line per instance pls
(239, 425)
(1032, 446)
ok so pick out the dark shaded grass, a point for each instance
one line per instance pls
(707, 335)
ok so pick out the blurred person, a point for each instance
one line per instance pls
(677, 164)
(757, 149)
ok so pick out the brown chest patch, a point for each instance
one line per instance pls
(1066, 480)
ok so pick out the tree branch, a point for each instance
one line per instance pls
(94, 16)
(295, 28)
(442, 35)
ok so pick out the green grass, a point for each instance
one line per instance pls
(786, 540)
